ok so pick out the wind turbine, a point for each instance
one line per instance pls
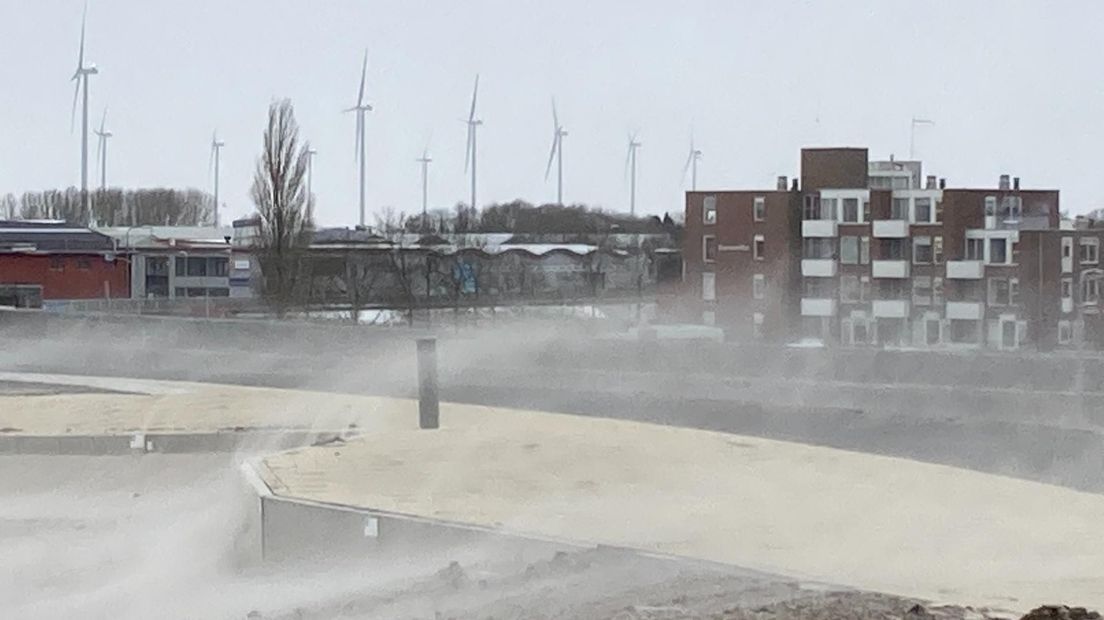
(558, 134)
(103, 134)
(473, 126)
(216, 151)
(912, 134)
(360, 108)
(692, 165)
(424, 161)
(310, 172)
(80, 76)
(630, 162)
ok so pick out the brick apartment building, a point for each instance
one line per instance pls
(863, 253)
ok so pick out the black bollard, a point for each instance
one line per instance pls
(428, 406)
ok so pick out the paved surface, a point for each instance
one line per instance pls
(870, 522)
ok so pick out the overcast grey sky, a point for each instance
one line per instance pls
(1012, 87)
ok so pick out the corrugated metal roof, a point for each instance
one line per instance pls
(46, 236)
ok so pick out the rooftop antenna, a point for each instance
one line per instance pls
(692, 165)
(556, 153)
(473, 125)
(912, 135)
(361, 108)
(103, 134)
(80, 76)
(630, 164)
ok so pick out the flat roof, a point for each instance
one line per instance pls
(871, 522)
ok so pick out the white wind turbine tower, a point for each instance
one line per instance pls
(558, 134)
(692, 165)
(630, 163)
(80, 76)
(103, 134)
(473, 126)
(424, 161)
(216, 152)
(360, 108)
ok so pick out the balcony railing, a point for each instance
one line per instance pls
(819, 228)
(965, 269)
(889, 268)
(965, 310)
(891, 229)
(890, 308)
(819, 267)
(817, 306)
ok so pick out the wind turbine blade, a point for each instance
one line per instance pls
(103, 121)
(73, 114)
(211, 157)
(628, 156)
(552, 154)
(689, 160)
(363, 75)
(555, 118)
(475, 93)
(80, 55)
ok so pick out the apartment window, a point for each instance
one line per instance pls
(864, 250)
(757, 325)
(1011, 208)
(709, 248)
(849, 250)
(1065, 332)
(937, 291)
(864, 289)
(709, 286)
(998, 251)
(975, 249)
(57, 263)
(758, 286)
(923, 210)
(1067, 288)
(921, 250)
(1090, 290)
(893, 289)
(999, 292)
(709, 210)
(850, 288)
(893, 249)
(197, 267)
(1015, 252)
(899, 210)
(851, 210)
(921, 290)
(217, 266)
(181, 292)
(818, 248)
(881, 182)
(180, 266)
(990, 205)
(902, 182)
(866, 209)
(938, 211)
(760, 208)
(937, 249)
(759, 249)
(1013, 291)
(818, 288)
(931, 327)
(828, 208)
(812, 208)
(1090, 250)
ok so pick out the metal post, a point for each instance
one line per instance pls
(428, 404)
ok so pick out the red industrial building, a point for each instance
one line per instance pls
(61, 261)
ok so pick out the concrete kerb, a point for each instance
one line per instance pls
(164, 443)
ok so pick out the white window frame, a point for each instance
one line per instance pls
(759, 209)
(709, 286)
(858, 249)
(916, 242)
(916, 210)
(705, 244)
(979, 244)
(858, 210)
(864, 250)
(755, 247)
(709, 210)
(1089, 242)
(1065, 332)
(758, 286)
(857, 298)
(1066, 288)
(1007, 251)
(757, 325)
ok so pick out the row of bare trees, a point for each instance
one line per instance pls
(113, 206)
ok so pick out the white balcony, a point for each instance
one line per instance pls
(1067, 305)
(889, 269)
(891, 229)
(819, 267)
(818, 307)
(965, 310)
(890, 309)
(819, 228)
(965, 269)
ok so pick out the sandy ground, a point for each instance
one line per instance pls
(870, 522)
(168, 536)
